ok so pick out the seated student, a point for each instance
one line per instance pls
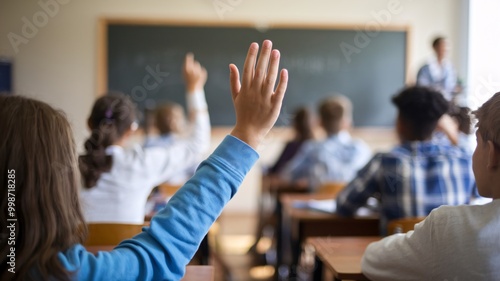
(302, 126)
(418, 175)
(117, 180)
(453, 242)
(334, 159)
(39, 154)
(169, 121)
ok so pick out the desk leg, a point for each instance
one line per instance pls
(204, 250)
(279, 238)
(296, 243)
(318, 269)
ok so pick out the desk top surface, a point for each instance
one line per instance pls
(342, 255)
(199, 273)
(287, 200)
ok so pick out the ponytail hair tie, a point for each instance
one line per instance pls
(109, 113)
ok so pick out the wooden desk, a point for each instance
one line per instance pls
(297, 224)
(341, 255)
(199, 273)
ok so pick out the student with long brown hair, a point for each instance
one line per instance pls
(38, 145)
(118, 180)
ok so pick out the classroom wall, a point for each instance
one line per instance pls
(57, 61)
(484, 73)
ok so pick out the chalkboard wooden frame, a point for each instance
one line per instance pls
(103, 24)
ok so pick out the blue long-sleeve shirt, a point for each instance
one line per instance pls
(162, 250)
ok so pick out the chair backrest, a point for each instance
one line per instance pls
(168, 190)
(110, 234)
(331, 188)
(403, 225)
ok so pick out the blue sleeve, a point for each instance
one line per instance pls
(162, 250)
(357, 192)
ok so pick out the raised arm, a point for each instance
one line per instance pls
(162, 251)
(161, 163)
(257, 87)
(449, 127)
(195, 77)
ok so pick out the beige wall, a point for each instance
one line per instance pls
(484, 73)
(58, 64)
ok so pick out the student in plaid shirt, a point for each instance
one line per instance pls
(419, 174)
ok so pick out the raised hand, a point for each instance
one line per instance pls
(195, 75)
(256, 103)
(447, 125)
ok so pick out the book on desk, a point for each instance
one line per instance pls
(330, 205)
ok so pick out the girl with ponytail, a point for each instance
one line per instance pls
(111, 119)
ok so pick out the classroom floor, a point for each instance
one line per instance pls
(234, 237)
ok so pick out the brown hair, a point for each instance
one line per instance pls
(165, 117)
(488, 116)
(437, 41)
(111, 117)
(463, 118)
(38, 145)
(333, 111)
(302, 124)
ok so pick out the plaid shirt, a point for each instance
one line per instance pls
(411, 180)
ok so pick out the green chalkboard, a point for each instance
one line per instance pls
(145, 62)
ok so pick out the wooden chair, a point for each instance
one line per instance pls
(110, 234)
(331, 188)
(403, 225)
(168, 190)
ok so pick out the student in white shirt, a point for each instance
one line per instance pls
(117, 181)
(170, 122)
(452, 243)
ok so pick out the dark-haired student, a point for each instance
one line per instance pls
(418, 175)
(49, 223)
(302, 126)
(118, 180)
(453, 242)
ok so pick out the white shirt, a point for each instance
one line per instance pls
(167, 140)
(452, 243)
(120, 195)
